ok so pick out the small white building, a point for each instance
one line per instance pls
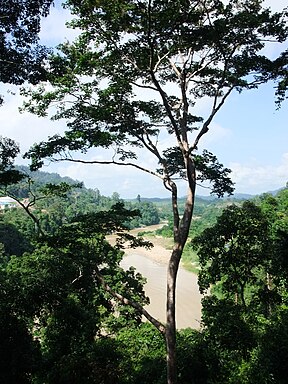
(7, 202)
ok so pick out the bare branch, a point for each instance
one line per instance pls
(77, 278)
(205, 127)
(29, 213)
(175, 69)
(110, 162)
(144, 86)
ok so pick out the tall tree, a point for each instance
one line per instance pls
(135, 76)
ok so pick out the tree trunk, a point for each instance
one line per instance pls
(181, 231)
(171, 317)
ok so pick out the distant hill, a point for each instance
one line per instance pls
(274, 193)
(43, 177)
(203, 199)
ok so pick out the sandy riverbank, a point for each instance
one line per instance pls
(158, 253)
(188, 303)
(161, 250)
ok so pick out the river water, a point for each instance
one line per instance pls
(188, 299)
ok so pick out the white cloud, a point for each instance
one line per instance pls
(126, 180)
(25, 128)
(216, 134)
(250, 178)
(275, 5)
(256, 178)
(53, 27)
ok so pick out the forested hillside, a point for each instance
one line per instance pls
(57, 206)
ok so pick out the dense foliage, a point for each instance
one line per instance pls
(55, 314)
(59, 324)
(243, 257)
(22, 58)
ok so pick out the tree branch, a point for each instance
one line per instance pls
(161, 328)
(205, 127)
(110, 162)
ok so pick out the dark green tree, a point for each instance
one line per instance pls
(143, 355)
(276, 210)
(9, 150)
(53, 292)
(19, 353)
(13, 241)
(21, 55)
(176, 52)
(148, 214)
(233, 251)
(56, 293)
(268, 363)
(243, 260)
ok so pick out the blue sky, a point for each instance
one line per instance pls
(248, 136)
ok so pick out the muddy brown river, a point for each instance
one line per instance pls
(188, 304)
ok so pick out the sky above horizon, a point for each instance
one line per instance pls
(248, 135)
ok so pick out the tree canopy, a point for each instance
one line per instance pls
(21, 55)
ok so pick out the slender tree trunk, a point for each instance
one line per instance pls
(171, 317)
(181, 231)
